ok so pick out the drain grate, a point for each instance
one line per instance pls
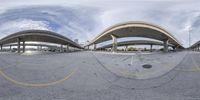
(147, 66)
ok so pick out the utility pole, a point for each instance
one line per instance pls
(189, 38)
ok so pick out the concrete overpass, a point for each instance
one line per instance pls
(135, 42)
(38, 36)
(195, 46)
(135, 29)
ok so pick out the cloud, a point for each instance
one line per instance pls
(21, 24)
(85, 19)
(73, 23)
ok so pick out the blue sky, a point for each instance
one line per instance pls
(84, 19)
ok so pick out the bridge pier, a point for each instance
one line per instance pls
(67, 47)
(18, 45)
(94, 46)
(38, 48)
(23, 46)
(165, 45)
(10, 47)
(151, 46)
(126, 48)
(174, 48)
(114, 44)
(1, 47)
(61, 48)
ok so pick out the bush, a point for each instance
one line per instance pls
(132, 49)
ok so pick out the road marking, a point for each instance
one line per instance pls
(37, 85)
(132, 60)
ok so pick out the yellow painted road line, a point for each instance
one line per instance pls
(37, 85)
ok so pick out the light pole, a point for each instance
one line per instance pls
(189, 37)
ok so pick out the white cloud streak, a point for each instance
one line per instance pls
(21, 24)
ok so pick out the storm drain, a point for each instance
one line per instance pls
(147, 66)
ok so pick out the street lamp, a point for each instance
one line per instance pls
(189, 37)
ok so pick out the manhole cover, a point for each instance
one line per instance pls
(147, 66)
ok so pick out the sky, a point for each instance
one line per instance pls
(85, 19)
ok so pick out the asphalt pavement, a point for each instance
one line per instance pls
(99, 76)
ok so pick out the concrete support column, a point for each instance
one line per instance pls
(40, 48)
(174, 48)
(71, 48)
(151, 46)
(67, 47)
(23, 46)
(61, 48)
(94, 46)
(126, 48)
(18, 45)
(114, 44)
(1, 47)
(165, 45)
(89, 47)
(10, 48)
